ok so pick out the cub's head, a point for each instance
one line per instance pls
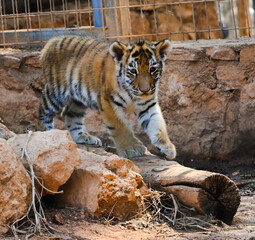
(139, 64)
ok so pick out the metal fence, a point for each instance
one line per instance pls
(35, 21)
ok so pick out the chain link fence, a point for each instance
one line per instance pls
(27, 22)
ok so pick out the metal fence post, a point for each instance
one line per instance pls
(97, 13)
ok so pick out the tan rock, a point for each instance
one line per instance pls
(33, 59)
(106, 186)
(230, 76)
(247, 113)
(5, 133)
(15, 195)
(247, 54)
(185, 54)
(221, 53)
(53, 154)
(11, 61)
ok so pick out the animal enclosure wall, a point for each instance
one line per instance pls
(35, 21)
(206, 95)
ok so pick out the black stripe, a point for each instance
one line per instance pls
(146, 110)
(89, 66)
(121, 98)
(81, 52)
(116, 102)
(161, 67)
(52, 100)
(103, 67)
(72, 114)
(136, 53)
(62, 43)
(45, 103)
(153, 114)
(99, 103)
(69, 41)
(128, 92)
(144, 103)
(110, 128)
(145, 123)
(78, 123)
(120, 70)
(149, 52)
(47, 121)
(80, 86)
(79, 55)
(75, 128)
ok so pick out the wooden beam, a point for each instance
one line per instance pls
(112, 23)
(244, 18)
(125, 18)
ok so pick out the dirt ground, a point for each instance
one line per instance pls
(75, 224)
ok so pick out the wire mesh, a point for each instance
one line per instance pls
(35, 21)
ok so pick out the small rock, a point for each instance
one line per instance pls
(179, 54)
(33, 60)
(221, 53)
(59, 219)
(5, 133)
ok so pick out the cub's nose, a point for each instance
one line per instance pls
(145, 87)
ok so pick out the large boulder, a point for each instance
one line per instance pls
(53, 154)
(105, 186)
(15, 187)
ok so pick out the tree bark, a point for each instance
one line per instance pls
(208, 192)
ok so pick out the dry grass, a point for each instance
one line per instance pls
(33, 223)
(163, 212)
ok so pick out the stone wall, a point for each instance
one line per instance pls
(207, 95)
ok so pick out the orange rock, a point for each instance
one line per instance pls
(105, 186)
(15, 188)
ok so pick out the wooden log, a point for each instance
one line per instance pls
(208, 192)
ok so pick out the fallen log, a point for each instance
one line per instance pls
(208, 192)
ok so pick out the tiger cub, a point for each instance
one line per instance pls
(82, 72)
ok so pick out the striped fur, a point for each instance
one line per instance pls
(82, 72)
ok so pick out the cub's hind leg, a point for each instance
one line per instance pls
(74, 119)
(50, 106)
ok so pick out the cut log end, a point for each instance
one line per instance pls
(208, 192)
(221, 190)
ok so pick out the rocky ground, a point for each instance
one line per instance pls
(74, 223)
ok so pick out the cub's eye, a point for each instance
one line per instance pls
(152, 69)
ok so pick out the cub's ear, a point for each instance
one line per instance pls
(163, 48)
(117, 50)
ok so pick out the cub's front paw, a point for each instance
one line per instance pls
(167, 148)
(133, 150)
(86, 138)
